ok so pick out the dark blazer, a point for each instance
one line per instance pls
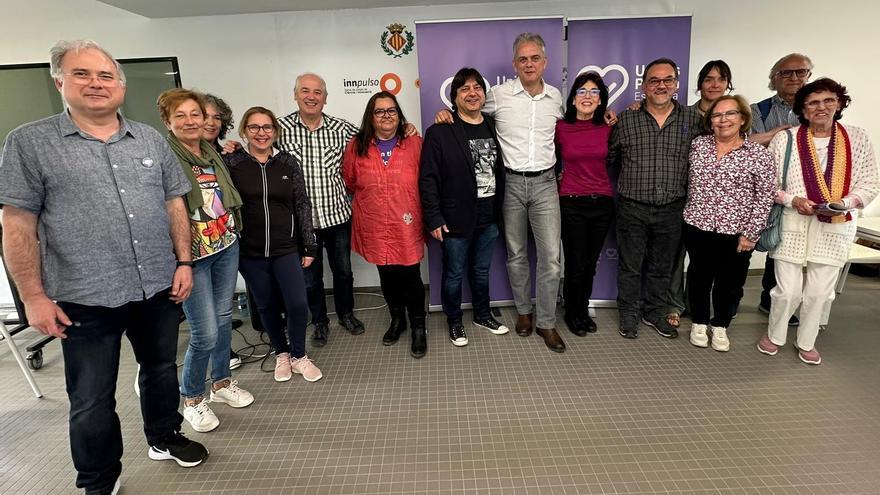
(447, 180)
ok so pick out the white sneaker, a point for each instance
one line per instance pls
(201, 417)
(306, 367)
(698, 335)
(232, 395)
(720, 342)
(282, 367)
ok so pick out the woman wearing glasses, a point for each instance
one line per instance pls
(730, 192)
(279, 241)
(585, 193)
(381, 169)
(213, 205)
(831, 173)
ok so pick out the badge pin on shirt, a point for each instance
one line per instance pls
(147, 162)
(407, 218)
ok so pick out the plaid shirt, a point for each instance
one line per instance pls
(653, 160)
(320, 153)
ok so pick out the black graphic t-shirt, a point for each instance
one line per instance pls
(484, 153)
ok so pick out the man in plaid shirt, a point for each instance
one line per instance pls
(318, 141)
(650, 146)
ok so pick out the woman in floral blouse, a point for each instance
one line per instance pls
(730, 193)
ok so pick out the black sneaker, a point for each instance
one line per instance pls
(576, 325)
(234, 360)
(492, 325)
(662, 326)
(794, 321)
(319, 338)
(629, 327)
(457, 335)
(352, 324)
(763, 309)
(182, 450)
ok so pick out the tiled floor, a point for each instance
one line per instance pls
(505, 415)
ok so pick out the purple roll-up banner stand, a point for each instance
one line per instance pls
(444, 47)
(619, 50)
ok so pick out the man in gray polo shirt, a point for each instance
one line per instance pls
(92, 219)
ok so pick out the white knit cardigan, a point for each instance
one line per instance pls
(805, 238)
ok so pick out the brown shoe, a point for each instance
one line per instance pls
(552, 339)
(524, 325)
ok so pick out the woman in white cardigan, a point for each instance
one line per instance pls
(831, 173)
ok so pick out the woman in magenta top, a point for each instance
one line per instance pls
(585, 193)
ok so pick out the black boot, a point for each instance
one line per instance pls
(419, 337)
(397, 325)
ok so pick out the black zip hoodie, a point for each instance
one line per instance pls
(276, 209)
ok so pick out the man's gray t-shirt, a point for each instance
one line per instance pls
(102, 224)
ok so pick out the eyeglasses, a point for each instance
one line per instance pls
(85, 77)
(787, 73)
(729, 115)
(585, 92)
(255, 129)
(668, 82)
(815, 104)
(385, 112)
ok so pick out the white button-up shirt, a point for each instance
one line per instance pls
(525, 124)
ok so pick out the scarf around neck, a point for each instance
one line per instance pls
(834, 183)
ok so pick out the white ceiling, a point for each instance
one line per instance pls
(186, 8)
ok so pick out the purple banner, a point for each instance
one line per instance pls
(486, 45)
(619, 50)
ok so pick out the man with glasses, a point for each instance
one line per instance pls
(650, 146)
(789, 74)
(92, 219)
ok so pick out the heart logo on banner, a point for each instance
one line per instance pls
(614, 89)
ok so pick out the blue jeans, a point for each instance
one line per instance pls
(275, 281)
(475, 253)
(91, 366)
(209, 313)
(532, 203)
(337, 241)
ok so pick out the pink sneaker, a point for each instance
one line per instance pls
(305, 367)
(282, 367)
(809, 357)
(766, 346)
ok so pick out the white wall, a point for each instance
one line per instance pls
(252, 59)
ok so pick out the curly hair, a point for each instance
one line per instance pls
(226, 120)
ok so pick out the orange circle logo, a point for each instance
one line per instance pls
(391, 83)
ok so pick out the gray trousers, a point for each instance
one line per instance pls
(533, 202)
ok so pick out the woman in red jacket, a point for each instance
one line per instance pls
(381, 169)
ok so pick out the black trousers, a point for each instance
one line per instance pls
(716, 274)
(402, 287)
(768, 282)
(585, 224)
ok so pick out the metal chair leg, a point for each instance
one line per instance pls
(20, 360)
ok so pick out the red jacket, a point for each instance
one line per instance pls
(386, 218)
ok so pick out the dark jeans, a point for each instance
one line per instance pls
(647, 236)
(475, 253)
(585, 224)
(337, 241)
(768, 282)
(402, 287)
(715, 273)
(279, 278)
(91, 366)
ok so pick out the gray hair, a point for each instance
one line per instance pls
(783, 60)
(310, 74)
(528, 38)
(57, 53)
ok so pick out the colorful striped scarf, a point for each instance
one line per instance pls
(834, 184)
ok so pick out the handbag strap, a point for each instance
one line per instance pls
(787, 159)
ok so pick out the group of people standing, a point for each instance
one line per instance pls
(88, 193)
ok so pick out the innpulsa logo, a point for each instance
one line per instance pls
(389, 82)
